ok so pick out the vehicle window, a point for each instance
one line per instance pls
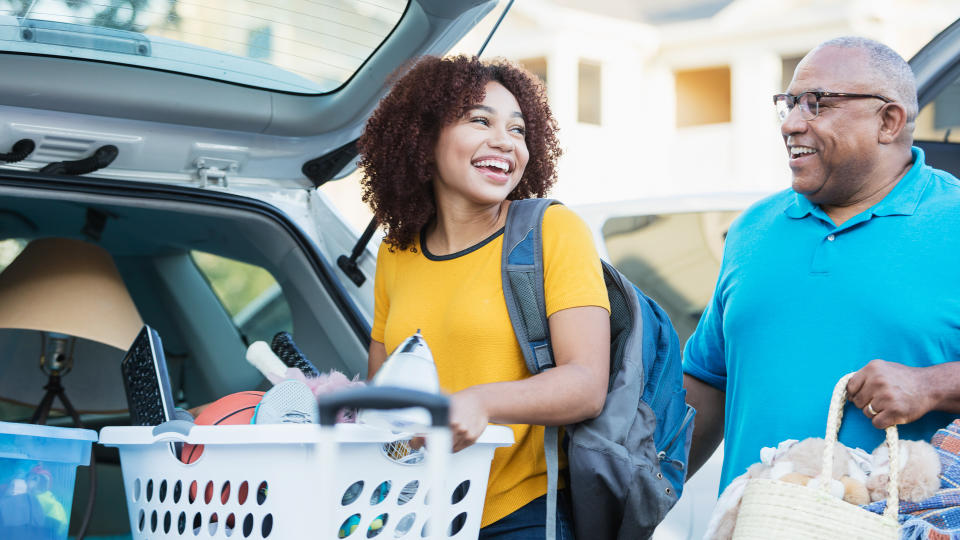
(250, 294)
(939, 120)
(937, 129)
(11, 410)
(9, 249)
(673, 258)
(303, 47)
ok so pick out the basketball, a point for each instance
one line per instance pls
(233, 409)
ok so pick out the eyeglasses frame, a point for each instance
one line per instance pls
(794, 100)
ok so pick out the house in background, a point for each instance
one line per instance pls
(662, 98)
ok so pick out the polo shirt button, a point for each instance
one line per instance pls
(831, 237)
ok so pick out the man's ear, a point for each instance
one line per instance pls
(893, 118)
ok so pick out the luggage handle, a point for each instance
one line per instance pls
(384, 397)
(834, 418)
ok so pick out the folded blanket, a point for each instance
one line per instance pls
(936, 518)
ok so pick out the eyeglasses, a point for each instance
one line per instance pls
(810, 102)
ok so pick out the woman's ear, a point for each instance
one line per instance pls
(893, 118)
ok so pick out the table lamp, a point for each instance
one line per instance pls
(65, 310)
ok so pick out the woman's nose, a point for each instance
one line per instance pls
(500, 139)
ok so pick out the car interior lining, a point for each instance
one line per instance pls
(151, 247)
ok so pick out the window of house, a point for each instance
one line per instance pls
(260, 43)
(589, 95)
(537, 66)
(250, 295)
(703, 96)
(789, 64)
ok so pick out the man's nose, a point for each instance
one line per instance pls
(793, 123)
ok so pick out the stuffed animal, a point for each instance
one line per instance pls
(858, 478)
(919, 472)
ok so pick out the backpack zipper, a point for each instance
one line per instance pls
(662, 455)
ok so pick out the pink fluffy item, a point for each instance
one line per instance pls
(328, 383)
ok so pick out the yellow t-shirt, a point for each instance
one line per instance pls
(457, 303)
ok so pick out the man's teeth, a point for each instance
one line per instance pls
(502, 165)
(800, 150)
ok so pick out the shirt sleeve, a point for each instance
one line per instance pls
(703, 356)
(381, 296)
(573, 276)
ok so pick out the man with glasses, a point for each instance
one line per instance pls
(854, 269)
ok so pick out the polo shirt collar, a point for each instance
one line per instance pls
(902, 200)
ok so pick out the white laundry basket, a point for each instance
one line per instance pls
(292, 482)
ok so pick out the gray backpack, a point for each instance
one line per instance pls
(627, 466)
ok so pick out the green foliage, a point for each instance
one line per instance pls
(235, 283)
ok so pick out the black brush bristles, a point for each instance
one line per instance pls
(288, 353)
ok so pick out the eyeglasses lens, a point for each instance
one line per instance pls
(809, 105)
(783, 104)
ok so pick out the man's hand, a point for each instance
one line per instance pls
(468, 417)
(891, 393)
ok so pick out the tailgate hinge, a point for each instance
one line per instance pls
(214, 170)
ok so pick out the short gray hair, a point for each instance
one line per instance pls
(889, 66)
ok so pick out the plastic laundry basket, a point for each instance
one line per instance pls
(38, 466)
(304, 481)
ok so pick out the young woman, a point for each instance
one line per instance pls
(444, 154)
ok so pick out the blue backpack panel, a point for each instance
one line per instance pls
(628, 465)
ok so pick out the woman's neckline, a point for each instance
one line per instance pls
(461, 253)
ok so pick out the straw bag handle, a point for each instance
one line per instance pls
(834, 418)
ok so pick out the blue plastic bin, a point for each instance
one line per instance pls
(38, 466)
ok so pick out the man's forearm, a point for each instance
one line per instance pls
(708, 424)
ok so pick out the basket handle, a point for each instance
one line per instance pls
(384, 397)
(834, 418)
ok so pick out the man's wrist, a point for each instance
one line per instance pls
(938, 384)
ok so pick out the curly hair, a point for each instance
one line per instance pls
(398, 143)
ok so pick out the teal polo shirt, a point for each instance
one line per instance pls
(800, 302)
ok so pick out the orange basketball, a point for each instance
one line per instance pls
(232, 409)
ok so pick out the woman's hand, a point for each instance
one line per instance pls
(468, 417)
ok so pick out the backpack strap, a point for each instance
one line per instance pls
(521, 270)
(522, 280)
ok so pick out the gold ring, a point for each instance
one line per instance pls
(870, 409)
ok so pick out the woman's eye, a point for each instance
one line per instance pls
(520, 130)
(480, 120)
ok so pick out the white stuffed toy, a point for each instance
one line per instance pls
(858, 478)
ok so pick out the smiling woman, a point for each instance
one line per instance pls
(400, 144)
(445, 153)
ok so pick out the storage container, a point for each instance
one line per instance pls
(38, 466)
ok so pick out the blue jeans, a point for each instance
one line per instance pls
(528, 522)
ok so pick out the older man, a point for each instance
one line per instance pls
(856, 268)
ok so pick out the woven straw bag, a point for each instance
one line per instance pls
(774, 509)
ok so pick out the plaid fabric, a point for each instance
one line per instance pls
(936, 518)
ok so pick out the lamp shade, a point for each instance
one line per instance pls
(70, 287)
